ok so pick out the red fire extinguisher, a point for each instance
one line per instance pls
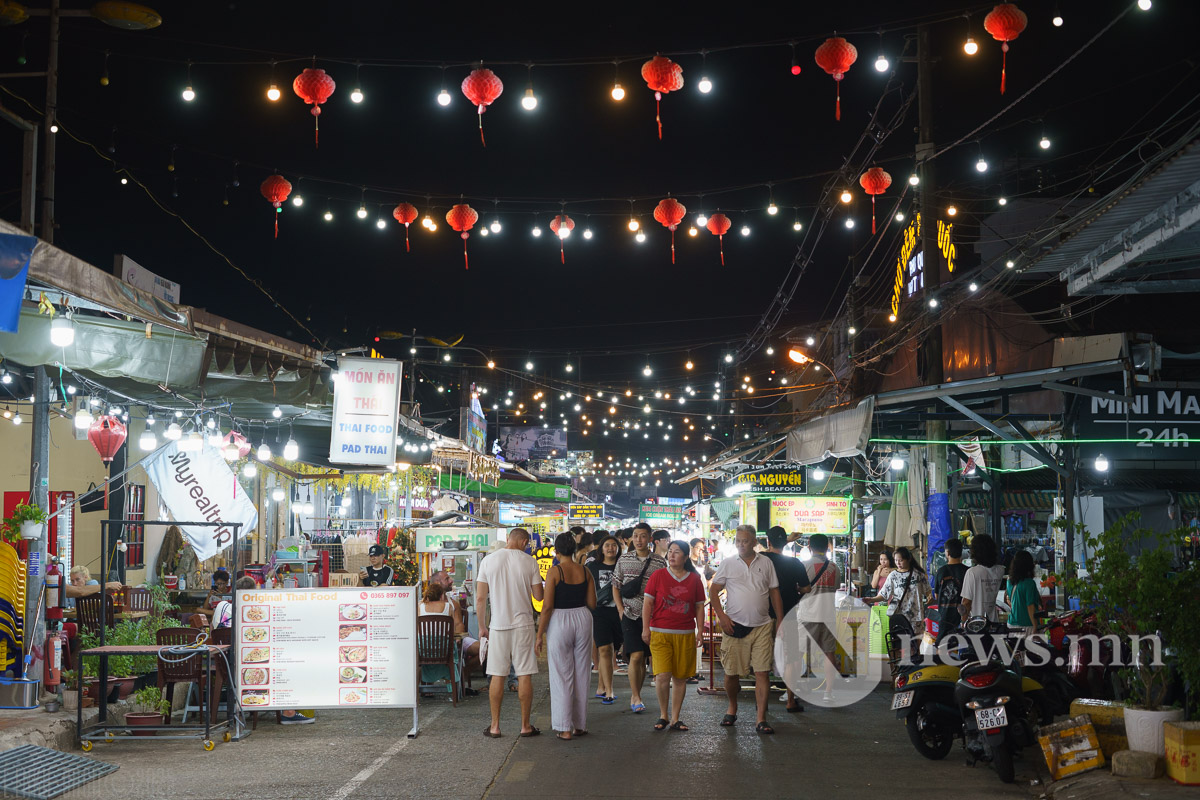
(54, 649)
(55, 591)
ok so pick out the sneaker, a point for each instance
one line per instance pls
(298, 719)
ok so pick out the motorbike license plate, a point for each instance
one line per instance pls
(991, 718)
(902, 700)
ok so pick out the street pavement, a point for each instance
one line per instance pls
(858, 751)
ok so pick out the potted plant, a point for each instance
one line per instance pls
(26, 522)
(69, 692)
(1130, 581)
(149, 709)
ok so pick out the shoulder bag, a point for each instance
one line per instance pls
(631, 589)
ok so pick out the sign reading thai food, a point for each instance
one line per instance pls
(366, 404)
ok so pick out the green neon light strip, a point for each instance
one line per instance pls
(1037, 441)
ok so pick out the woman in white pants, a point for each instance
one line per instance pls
(567, 621)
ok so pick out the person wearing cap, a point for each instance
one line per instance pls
(378, 574)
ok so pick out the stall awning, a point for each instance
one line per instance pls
(1009, 501)
(841, 434)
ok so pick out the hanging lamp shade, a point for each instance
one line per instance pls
(719, 225)
(836, 56)
(662, 75)
(276, 189)
(314, 87)
(482, 87)
(107, 434)
(405, 213)
(461, 218)
(874, 181)
(561, 226)
(1005, 23)
(670, 212)
(237, 440)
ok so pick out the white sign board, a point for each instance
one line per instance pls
(366, 405)
(327, 648)
(431, 540)
(139, 277)
(197, 486)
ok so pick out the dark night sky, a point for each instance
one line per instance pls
(760, 124)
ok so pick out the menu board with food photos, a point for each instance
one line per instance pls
(340, 647)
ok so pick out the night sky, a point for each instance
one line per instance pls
(615, 305)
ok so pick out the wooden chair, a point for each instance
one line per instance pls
(137, 599)
(87, 612)
(436, 646)
(190, 670)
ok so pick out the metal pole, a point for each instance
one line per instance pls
(29, 178)
(39, 495)
(48, 161)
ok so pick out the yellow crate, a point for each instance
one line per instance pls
(1182, 741)
(1070, 747)
(1108, 718)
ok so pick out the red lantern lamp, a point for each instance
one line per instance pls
(276, 189)
(662, 75)
(482, 87)
(405, 213)
(1005, 23)
(461, 218)
(836, 56)
(314, 87)
(670, 212)
(107, 434)
(874, 181)
(718, 225)
(562, 225)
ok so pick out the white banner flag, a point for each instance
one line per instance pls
(200, 486)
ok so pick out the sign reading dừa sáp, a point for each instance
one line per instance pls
(366, 405)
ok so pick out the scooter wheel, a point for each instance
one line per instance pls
(929, 735)
(1002, 760)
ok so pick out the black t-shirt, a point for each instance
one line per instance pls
(602, 575)
(948, 584)
(378, 577)
(792, 578)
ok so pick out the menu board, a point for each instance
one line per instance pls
(803, 514)
(327, 648)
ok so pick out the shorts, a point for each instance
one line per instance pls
(820, 633)
(752, 653)
(606, 626)
(674, 653)
(631, 630)
(512, 648)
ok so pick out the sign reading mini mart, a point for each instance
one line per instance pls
(1161, 423)
(661, 516)
(366, 405)
(773, 481)
(586, 511)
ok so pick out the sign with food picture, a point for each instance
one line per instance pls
(327, 648)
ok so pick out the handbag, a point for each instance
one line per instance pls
(92, 500)
(631, 589)
(897, 622)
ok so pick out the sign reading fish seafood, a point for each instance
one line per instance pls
(366, 405)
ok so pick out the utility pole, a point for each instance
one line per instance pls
(931, 345)
(858, 476)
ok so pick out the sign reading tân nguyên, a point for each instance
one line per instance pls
(366, 405)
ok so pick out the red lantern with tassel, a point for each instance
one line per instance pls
(874, 181)
(1005, 23)
(836, 56)
(314, 87)
(276, 189)
(670, 212)
(461, 218)
(719, 225)
(405, 213)
(562, 225)
(662, 75)
(482, 87)
(107, 434)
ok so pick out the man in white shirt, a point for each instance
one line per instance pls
(751, 588)
(983, 581)
(509, 577)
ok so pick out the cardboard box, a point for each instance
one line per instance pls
(1070, 747)
(1182, 740)
(343, 579)
(1108, 718)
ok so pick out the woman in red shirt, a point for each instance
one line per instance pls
(673, 628)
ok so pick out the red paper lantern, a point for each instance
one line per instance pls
(562, 225)
(874, 181)
(718, 225)
(461, 218)
(405, 213)
(663, 76)
(482, 87)
(276, 189)
(1005, 23)
(314, 87)
(836, 56)
(669, 212)
(107, 434)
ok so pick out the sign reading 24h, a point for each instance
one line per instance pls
(1160, 424)
(366, 405)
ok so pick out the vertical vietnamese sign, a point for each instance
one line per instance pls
(366, 405)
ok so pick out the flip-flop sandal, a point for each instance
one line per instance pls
(601, 694)
(580, 733)
(488, 733)
(561, 736)
(531, 732)
(679, 726)
(728, 720)
(608, 701)
(637, 708)
(763, 728)
(794, 709)
(661, 724)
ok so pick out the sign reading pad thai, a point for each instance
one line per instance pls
(327, 648)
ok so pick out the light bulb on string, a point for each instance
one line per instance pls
(536, 231)
(640, 237)
(587, 233)
(951, 210)
(495, 226)
(772, 209)
(899, 216)
(913, 179)
(981, 165)
(1002, 201)
(796, 226)
(188, 93)
(443, 98)
(362, 212)
(529, 101)
(273, 93)
(973, 286)
(618, 93)
(970, 47)
(849, 222)
(692, 231)
(881, 63)
(705, 85)
(846, 197)
(795, 68)
(633, 224)
(356, 96)
(277, 412)
(1144, 5)
(1057, 20)
(745, 230)
(701, 219)
(298, 200)
(1044, 142)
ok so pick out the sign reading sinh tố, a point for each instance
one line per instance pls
(773, 481)
(366, 402)
(661, 516)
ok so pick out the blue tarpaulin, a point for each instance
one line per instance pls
(15, 252)
(937, 514)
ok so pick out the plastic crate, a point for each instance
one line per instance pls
(1182, 741)
(1108, 718)
(1070, 747)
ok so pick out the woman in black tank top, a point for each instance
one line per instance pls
(566, 625)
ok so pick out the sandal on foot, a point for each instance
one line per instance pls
(600, 694)
(531, 732)
(679, 726)
(796, 709)
(608, 701)
(564, 736)
(763, 728)
(637, 708)
(661, 724)
(728, 720)
(488, 733)
(580, 733)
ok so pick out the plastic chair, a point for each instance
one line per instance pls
(437, 647)
(87, 612)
